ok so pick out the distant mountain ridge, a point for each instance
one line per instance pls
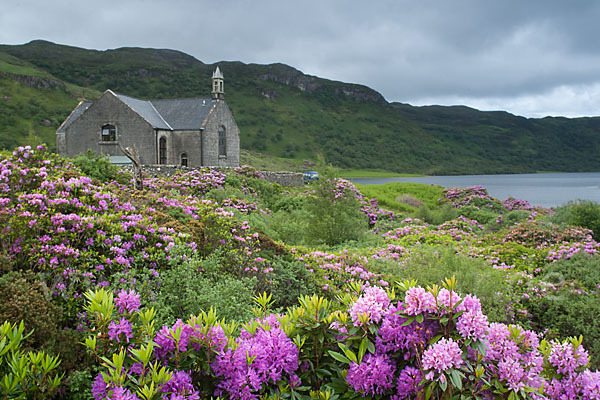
(284, 112)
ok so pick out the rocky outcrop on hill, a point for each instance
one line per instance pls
(290, 76)
(36, 81)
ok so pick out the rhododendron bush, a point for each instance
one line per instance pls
(427, 343)
(108, 258)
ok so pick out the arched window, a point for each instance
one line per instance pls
(162, 150)
(222, 141)
(109, 133)
(184, 160)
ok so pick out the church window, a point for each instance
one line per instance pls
(222, 141)
(109, 133)
(162, 150)
(184, 160)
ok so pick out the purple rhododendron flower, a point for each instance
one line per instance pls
(566, 359)
(120, 393)
(373, 376)
(121, 327)
(408, 383)
(128, 301)
(442, 355)
(393, 336)
(166, 342)
(99, 388)
(417, 301)
(591, 385)
(260, 359)
(472, 325)
(374, 302)
(180, 387)
(448, 300)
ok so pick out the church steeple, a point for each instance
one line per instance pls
(218, 86)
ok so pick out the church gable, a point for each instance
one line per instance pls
(104, 125)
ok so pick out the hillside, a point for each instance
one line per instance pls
(283, 112)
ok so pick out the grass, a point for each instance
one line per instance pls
(403, 197)
(14, 65)
(266, 162)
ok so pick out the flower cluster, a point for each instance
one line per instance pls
(263, 358)
(476, 196)
(370, 306)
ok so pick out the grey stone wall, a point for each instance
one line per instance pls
(188, 142)
(85, 132)
(221, 115)
(288, 179)
(61, 146)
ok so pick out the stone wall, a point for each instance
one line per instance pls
(288, 179)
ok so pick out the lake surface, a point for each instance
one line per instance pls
(546, 190)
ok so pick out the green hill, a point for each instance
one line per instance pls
(285, 113)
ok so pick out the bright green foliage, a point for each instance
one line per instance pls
(334, 218)
(23, 374)
(582, 213)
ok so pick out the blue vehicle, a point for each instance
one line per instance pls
(310, 176)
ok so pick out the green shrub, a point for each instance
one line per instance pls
(195, 286)
(483, 215)
(568, 313)
(289, 227)
(99, 167)
(438, 215)
(334, 218)
(508, 219)
(25, 375)
(584, 213)
(581, 271)
(291, 280)
(403, 197)
(25, 298)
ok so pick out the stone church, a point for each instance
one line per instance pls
(192, 132)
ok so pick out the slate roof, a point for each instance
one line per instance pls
(81, 107)
(182, 114)
(171, 114)
(146, 110)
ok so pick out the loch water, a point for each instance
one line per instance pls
(546, 190)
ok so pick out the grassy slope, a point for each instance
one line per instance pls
(277, 118)
(29, 112)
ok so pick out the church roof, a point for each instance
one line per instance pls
(171, 114)
(182, 114)
(146, 110)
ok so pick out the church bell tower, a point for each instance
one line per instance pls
(218, 90)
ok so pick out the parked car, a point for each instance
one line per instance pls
(310, 176)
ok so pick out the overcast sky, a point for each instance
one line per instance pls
(531, 58)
